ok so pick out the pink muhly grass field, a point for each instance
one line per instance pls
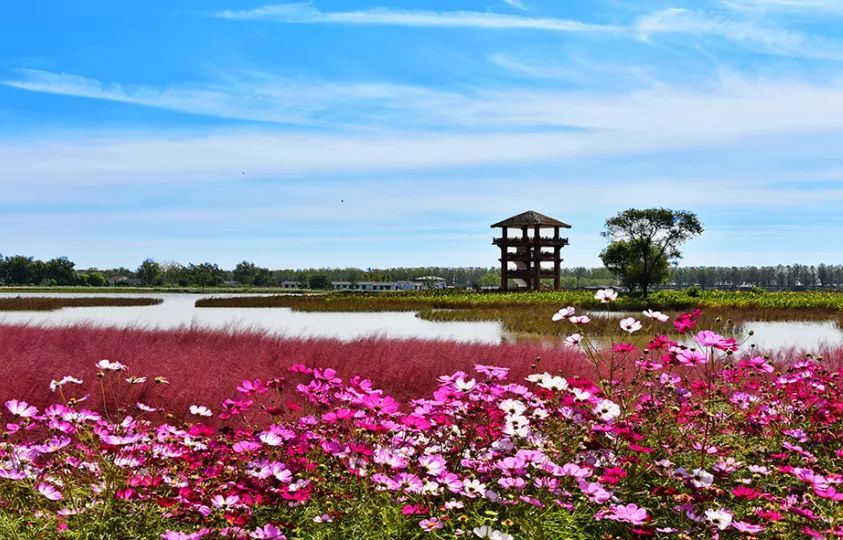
(204, 367)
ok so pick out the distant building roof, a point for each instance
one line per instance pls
(531, 218)
(430, 278)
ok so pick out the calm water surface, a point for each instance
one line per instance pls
(177, 310)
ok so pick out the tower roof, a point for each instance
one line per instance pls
(531, 218)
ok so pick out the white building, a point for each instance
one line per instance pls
(376, 285)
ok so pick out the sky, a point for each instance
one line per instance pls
(374, 134)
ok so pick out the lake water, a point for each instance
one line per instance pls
(177, 310)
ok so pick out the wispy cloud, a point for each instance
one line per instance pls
(307, 14)
(764, 39)
(249, 96)
(517, 4)
(752, 106)
(655, 119)
(785, 5)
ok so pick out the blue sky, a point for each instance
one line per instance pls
(357, 133)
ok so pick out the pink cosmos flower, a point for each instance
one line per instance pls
(21, 408)
(629, 513)
(225, 501)
(252, 387)
(758, 363)
(431, 524)
(49, 491)
(386, 404)
(746, 527)
(707, 338)
(493, 372)
(691, 357)
(267, 532)
(177, 535)
(579, 319)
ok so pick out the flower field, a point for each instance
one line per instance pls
(655, 439)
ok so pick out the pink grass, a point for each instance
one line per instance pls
(204, 367)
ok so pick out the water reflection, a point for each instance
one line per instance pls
(177, 310)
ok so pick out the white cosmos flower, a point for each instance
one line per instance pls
(563, 313)
(512, 406)
(701, 478)
(200, 410)
(630, 325)
(607, 410)
(108, 365)
(465, 385)
(487, 532)
(54, 385)
(720, 518)
(552, 382)
(473, 488)
(573, 340)
(580, 319)
(581, 395)
(657, 315)
(606, 295)
(144, 407)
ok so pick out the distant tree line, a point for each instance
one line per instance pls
(60, 271)
(792, 276)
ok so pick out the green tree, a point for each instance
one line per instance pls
(206, 274)
(319, 281)
(96, 279)
(623, 260)
(60, 271)
(245, 273)
(150, 273)
(643, 243)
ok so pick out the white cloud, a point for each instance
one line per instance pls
(730, 106)
(307, 14)
(612, 124)
(249, 96)
(765, 39)
(785, 5)
(517, 4)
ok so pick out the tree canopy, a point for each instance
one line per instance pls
(643, 243)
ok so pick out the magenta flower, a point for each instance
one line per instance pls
(386, 405)
(691, 357)
(21, 408)
(252, 387)
(629, 513)
(267, 532)
(49, 491)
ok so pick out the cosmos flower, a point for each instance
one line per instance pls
(107, 365)
(200, 410)
(563, 313)
(606, 295)
(656, 315)
(49, 491)
(719, 519)
(21, 409)
(630, 325)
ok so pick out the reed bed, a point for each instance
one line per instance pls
(204, 366)
(418, 300)
(529, 313)
(536, 319)
(32, 303)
